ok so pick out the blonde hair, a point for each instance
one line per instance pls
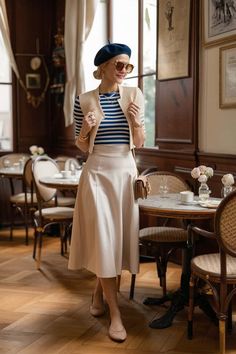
(97, 74)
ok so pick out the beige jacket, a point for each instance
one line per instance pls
(89, 101)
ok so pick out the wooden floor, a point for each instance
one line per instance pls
(47, 311)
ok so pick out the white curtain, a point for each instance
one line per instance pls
(4, 28)
(79, 16)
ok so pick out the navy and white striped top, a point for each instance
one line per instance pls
(114, 128)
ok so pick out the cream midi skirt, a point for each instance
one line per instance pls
(106, 217)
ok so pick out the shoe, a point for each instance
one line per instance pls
(96, 311)
(117, 336)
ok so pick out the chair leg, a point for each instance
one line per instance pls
(12, 221)
(191, 306)
(35, 242)
(132, 285)
(118, 282)
(229, 319)
(39, 250)
(222, 335)
(161, 264)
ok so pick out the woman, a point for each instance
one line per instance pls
(109, 123)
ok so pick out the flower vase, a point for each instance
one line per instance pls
(226, 190)
(203, 192)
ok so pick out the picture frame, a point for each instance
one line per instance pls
(173, 39)
(33, 81)
(227, 75)
(218, 22)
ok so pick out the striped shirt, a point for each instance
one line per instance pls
(114, 128)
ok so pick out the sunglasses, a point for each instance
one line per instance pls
(120, 66)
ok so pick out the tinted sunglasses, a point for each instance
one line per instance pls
(120, 66)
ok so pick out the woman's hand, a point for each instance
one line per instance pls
(89, 122)
(133, 111)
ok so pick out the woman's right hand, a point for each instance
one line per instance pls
(89, 122)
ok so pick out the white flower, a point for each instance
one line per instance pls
(202, 173)
(227, 179)
(33, 149)
(209, 172)
(202, 169)
(195, 173)
(40, 150)
(202, 178)
(36, 150)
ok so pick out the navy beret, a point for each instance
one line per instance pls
(109, 51)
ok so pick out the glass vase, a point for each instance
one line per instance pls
(203, 192)
(226, 190)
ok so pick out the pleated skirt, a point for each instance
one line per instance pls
(106, 217)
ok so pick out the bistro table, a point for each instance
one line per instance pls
(172, 207)
(11, 172)
(61, 183)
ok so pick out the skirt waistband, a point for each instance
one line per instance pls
(111, 150)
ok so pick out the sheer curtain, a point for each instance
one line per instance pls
(79, 16)
(4, 28)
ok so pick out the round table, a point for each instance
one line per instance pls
(171, 207)
(61, 183)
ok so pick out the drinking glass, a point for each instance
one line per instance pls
(164, 188)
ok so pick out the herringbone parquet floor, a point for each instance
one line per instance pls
(47, 311)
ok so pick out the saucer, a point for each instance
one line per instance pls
(212, 204)
(193, 202)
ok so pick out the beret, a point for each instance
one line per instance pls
(109, 51)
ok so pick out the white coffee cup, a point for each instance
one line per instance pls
(66, 174)
(186, 196)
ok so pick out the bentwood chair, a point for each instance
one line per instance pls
(161, 241)
(217, 270)
(26, 202)
(46, 216)
(17, 200)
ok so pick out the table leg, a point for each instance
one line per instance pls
(180, 297)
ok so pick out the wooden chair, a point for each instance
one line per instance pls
(217, 270)
(161, 241)
(46, 216)
(17, 200)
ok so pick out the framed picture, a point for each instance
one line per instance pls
(218, 21)
(33, 81)
(173, 39)
(228, 76)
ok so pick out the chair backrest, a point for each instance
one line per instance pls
(8, 160)
(44, 166)
(27, 173)
(61, 160)
(225, 224)
(174, 182)
(72, 164)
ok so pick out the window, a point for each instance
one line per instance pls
(138, 30)
(6, 100)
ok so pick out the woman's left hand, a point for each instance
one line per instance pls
(133, 111)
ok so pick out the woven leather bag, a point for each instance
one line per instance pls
(142, 187)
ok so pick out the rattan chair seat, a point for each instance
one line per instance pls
(210, 264)
(161, 234)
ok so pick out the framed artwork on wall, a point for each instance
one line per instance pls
(218, 21)
(227, 66)
(33, 81)
(173, 39)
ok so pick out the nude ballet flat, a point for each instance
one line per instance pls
(96, 311)
(117, 336)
